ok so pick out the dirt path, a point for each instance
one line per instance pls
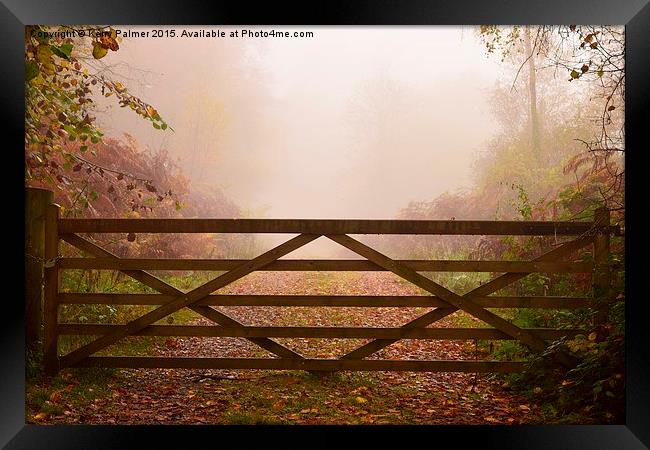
(174, 396)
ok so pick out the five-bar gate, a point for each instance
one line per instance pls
(200, 300)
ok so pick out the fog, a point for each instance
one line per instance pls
(353, 122)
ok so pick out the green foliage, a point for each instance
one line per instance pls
(593, 391)
(250, 418)
(61, 87)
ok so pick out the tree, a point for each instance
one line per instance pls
(532, 90)
(63, 72)
(594, 55)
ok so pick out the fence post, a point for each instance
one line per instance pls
(51, 308)
(36, 203)
(602, 272)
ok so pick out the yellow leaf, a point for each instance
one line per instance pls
(38, 81)
(44, 54)
(40, 416)
(98, 51)
(537, 390)
(360, 400)
(592, 336)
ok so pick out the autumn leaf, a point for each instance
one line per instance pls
(99, 51)
(44, 54)
(108, 40)
(55, 397)
(31, 70)
(360, 400)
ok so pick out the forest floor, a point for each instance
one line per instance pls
(181, 396)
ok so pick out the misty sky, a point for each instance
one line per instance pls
(353, 122)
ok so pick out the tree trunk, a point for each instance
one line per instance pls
(532, 93)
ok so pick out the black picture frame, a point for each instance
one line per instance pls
(634, 14)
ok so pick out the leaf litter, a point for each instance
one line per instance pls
(182, 396)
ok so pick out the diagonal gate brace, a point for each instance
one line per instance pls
(188, 299)
(489, 288)
(454, 300)
(164, 288)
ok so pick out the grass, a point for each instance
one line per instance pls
(70, 390)
(250, 418)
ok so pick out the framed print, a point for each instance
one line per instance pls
(379, 218)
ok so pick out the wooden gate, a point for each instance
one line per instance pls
(200, 300)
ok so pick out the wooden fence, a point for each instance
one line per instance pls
(443, 301)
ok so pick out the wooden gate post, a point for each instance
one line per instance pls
(51, 308)
(36, 203)
(602, 272)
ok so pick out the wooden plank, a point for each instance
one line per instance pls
(159, 285)
(37, 201)
(188, 299)
(484, 290)
(430, 286)
(303, 364)
(51, 291)
(325, 226)
(326, 265)
(602, 278)
(364, 301)
(507, 279)
(492, 286)
(455, 300)
(317, 332)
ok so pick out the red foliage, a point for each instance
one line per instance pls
(124, 181)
